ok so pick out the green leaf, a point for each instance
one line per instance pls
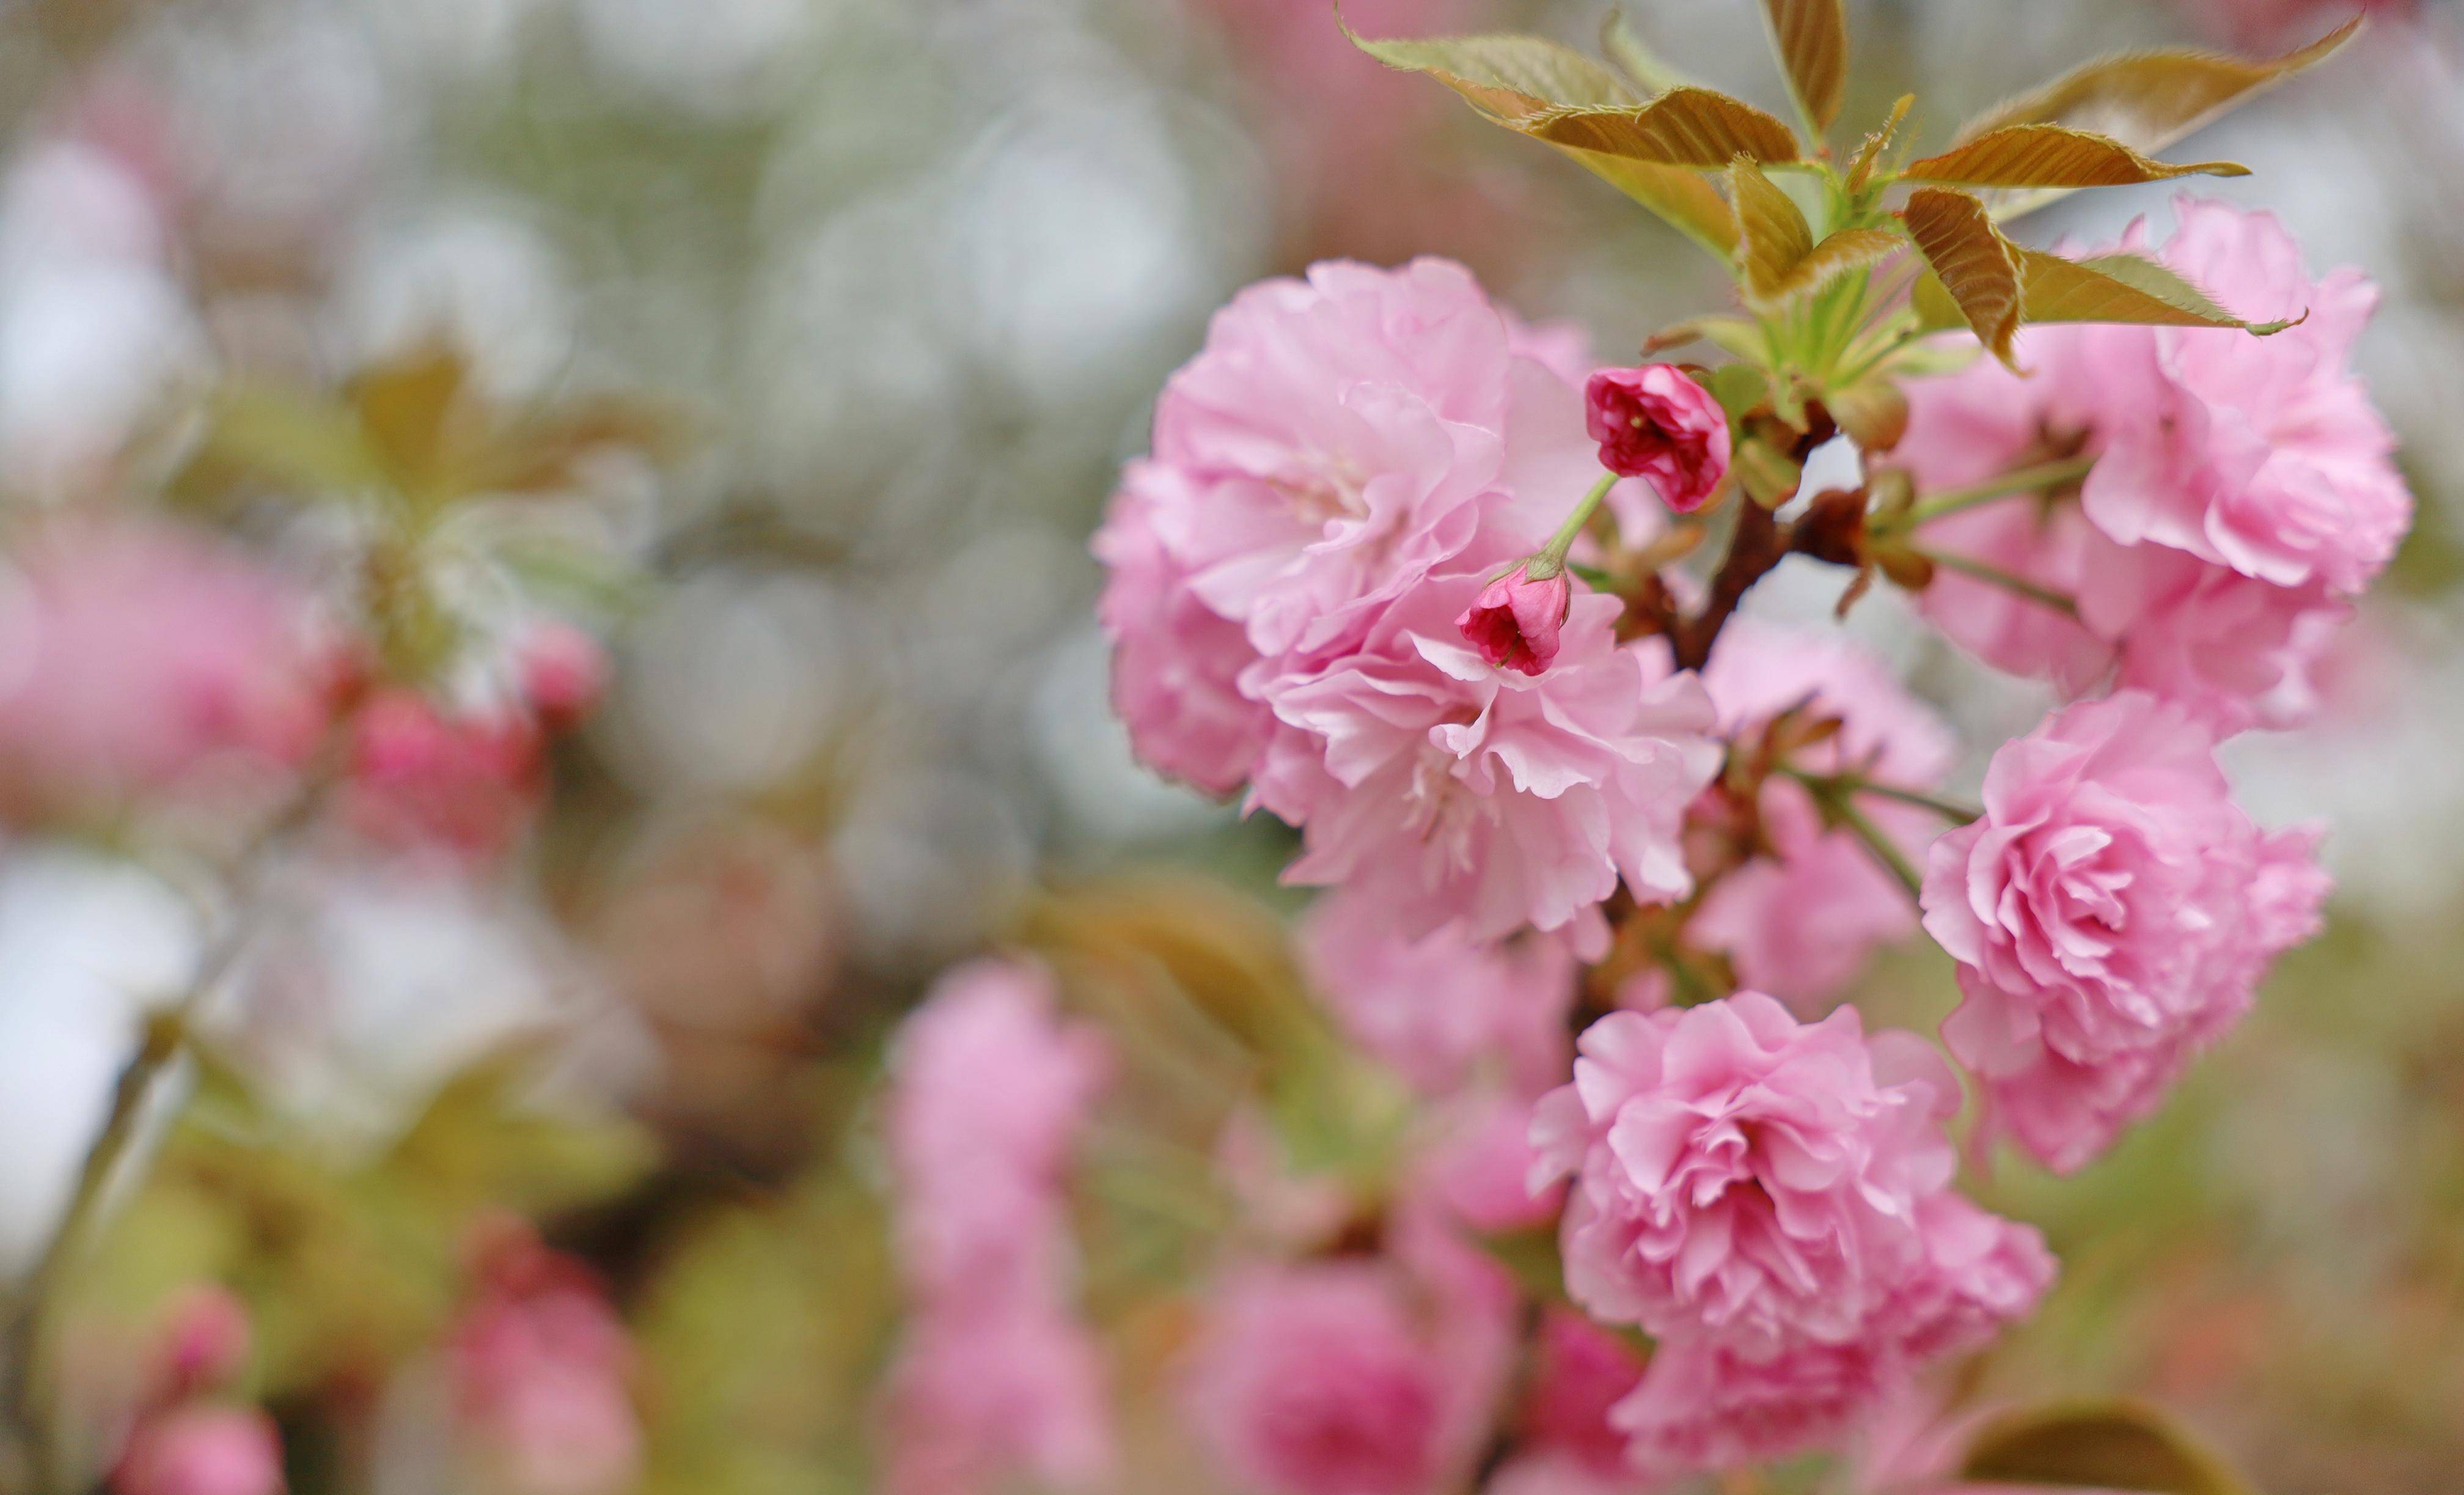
(1812, 38)
(1633, 56)
(1683, 127)
(1507, 77)
(1849, 249)
(1873, 411)
(2120, 288)
(314, 448)
(1777, 256)
(1869, 154)
(1972, 261)
(2115, 1446)
(1773, 236)
(1771, 477)
(1734, 335)
(2149, 100)
(1519, 81)
(2052, 156)
(1686, 199)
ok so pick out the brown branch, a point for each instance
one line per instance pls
(1832, 529)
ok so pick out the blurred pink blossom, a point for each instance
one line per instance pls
(541, 1369)
(2111, 912)
(202, 1449)
(1441, 1009)
(988, 1090)
(204, 1346)
(140, 657)
(422, 776)
(1315, 1380)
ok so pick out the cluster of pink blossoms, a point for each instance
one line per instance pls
(997, 1376)
(1334, 481)
(542, 1371)
(1770, 1201)
(1351, 581)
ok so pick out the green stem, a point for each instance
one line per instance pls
(2038, 479)
(1554, 552)
(1951, 810)
(29, 1461)
(1885, 850)
(2059, 601)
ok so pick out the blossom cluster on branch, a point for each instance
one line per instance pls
(1415, 578)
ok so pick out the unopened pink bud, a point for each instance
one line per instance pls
(204, 1344)
(1514, 622)
(202, 1450)
(563, 673)
(1655, 423)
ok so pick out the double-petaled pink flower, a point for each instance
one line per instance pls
(1655, 423)
(1338, 439)
(1770, 1201)
(2243, 487)
(2112, 913)
(1318, 1379)
(1448, 790)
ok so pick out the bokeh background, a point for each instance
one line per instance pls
(893, 281)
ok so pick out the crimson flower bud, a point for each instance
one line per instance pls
(1655, 423)
(1515, 620)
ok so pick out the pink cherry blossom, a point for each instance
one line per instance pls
(1744, 1178)
(1442, 1007)
(1341, 435)
(995, 1375)
(140, 657)
(2149, 616)
(423, 774)
(1580, 1373)
(1514, 622)
(543, 1370)
(975, 1397)
(1315, 1379)
(202, 1449)
(1704, 1406)
(1655, 423)
(1477, 1170)
(2261, 454)
(2232, 650)
(988, 1089)
(2111, 912)
(1176, 663)
(1712, 1405)
(1448, 790)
